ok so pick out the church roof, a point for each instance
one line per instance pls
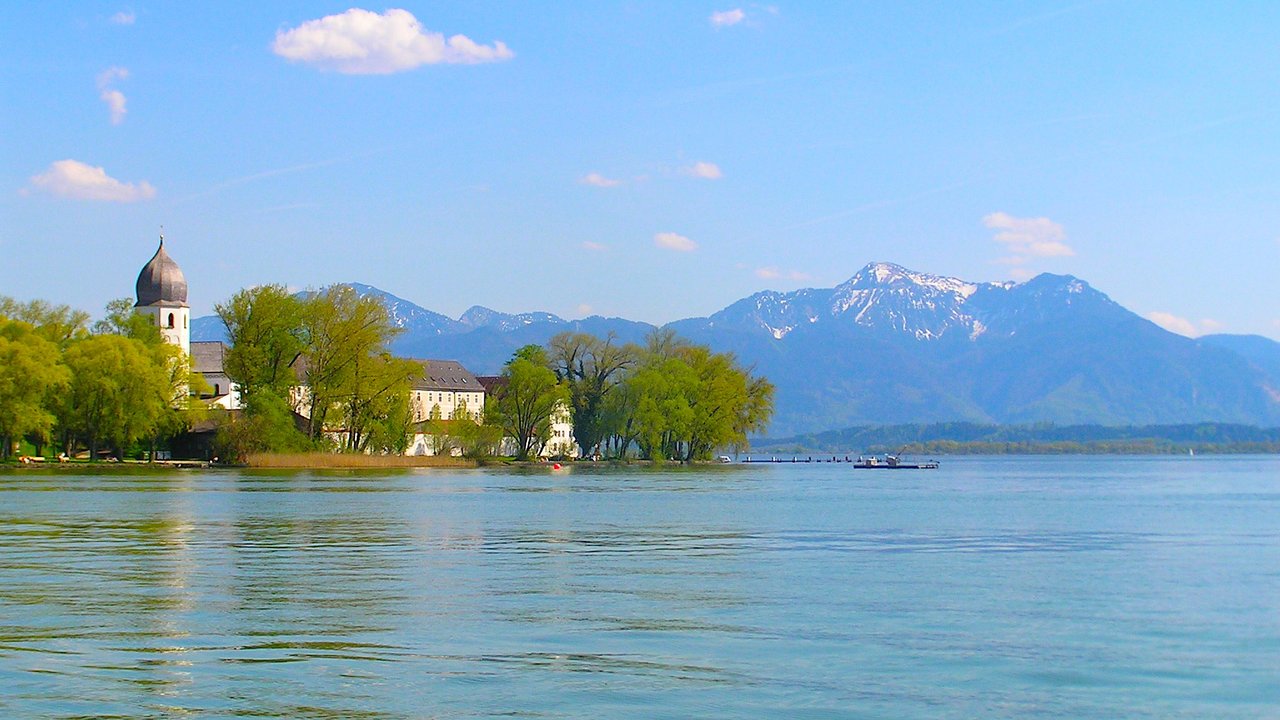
(161, 281)
(445, 375)
(208, 357)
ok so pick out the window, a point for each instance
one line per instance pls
(171, 320)
(216, 389)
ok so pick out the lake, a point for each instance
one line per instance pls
(1007, 587)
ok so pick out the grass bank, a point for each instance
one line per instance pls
(344, 461)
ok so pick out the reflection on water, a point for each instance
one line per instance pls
(995, 588)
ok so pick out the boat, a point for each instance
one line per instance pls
(891, 462)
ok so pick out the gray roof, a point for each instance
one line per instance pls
(208, 357)
(445, 375)
(161, 281)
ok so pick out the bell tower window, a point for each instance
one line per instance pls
(171, 320)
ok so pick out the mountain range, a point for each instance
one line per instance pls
(892, 345)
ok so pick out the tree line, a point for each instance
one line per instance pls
(314, 372)
(327, 352)
(67, 384)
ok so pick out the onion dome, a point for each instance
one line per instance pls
(161, 281)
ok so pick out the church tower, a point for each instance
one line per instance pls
(162, 296)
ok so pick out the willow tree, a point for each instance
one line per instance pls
(526, 399)
(117, 392)
(266, 334)
(59, 324)
(31, 372)
(591, 368)
(344, 330)
(375, 412)
(682, 401)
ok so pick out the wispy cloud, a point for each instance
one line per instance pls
(727, 18)
(1027, 238)
(584, 309)
(124, 17)
(362, 42)
(114, 99)
(595, 179)
(1184, 326)
(704, 170)
(773, 273)
(594, 246)
(78, 181)
(674, 241)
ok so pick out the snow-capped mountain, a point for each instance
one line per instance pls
(892, 345)
(411, 318)
(478, 316)
(894, 301)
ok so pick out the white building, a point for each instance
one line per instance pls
(445, 390)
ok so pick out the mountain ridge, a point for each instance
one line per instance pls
(893, 345)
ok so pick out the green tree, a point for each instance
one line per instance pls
(682, 401)
(376, 410)
(31, 372)
(344, 330)
(185, 387)
(475, 439)
(439, 433)
(269, 427)
(590, 367)
(122, 319)
(526, 399)
(117, 393)
(58, 324)
(266, 332)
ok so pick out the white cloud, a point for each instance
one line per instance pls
(110, 75)
(1183, 326)
(362, 42)
(124, 17)
(114, 99)
(598, 180)
(773, 273)
(593, 246)
(704, 170)
(672, 241)
(78, 181)
(726, 18)
(585, 309)
(1029, 237)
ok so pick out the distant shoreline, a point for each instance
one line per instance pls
(967, 438)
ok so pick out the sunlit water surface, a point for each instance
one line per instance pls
(1082, 587)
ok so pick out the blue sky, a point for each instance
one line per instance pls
(648, 160)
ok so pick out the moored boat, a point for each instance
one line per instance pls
(891, 462)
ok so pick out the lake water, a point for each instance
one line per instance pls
(1014, 587)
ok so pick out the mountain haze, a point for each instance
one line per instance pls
(892, 345)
